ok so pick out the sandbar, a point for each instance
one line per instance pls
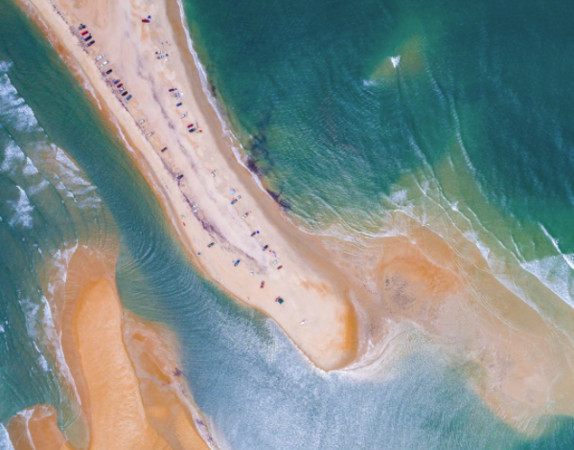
(130, 386)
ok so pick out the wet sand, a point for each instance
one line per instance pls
(130, 390)
(520, 364)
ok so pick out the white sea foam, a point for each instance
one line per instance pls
(567, 258)
(43, 363)
(399, 197)
(41, 327)
(484, 249)
(464, 153)
(550, 272)
(22, 210)
(13, 156)
(218, 437)
(5, 66)
(85, 190)
(200, 68)
(555, 275)
(29, 168)
(70, 181)
(27, 415)
(89, 203)
(60, 262)
(30, 310)
(56, 168)
(555, 272)
(14, 108)
(66, 162)
(5, 442)
(54, 342)
(69, 172)
(88, 87)
(38, 187)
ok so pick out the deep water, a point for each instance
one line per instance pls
(304, 110)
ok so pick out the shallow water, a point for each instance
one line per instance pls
(257, 389)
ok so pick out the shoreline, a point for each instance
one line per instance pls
(127, 378)
(352, 304)
(322, 321)
(239, 152)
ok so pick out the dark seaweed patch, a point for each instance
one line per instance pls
(253, 167)
(258, 155)
(277, 196)
(258, 146)
(212, 88)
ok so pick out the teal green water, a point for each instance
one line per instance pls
(317, 101)
(64, 178)
(472, 124)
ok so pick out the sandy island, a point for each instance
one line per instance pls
(130, 388)
(517, 361)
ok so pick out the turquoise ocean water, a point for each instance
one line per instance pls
(473, 120)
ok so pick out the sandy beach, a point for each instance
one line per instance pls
(238, 237)
(257, 256)
(130, 387)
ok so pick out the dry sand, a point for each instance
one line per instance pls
(520, 364)
(131, 391)
(316, 312)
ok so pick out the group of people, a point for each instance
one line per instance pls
(191, 128)
(117, 85)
